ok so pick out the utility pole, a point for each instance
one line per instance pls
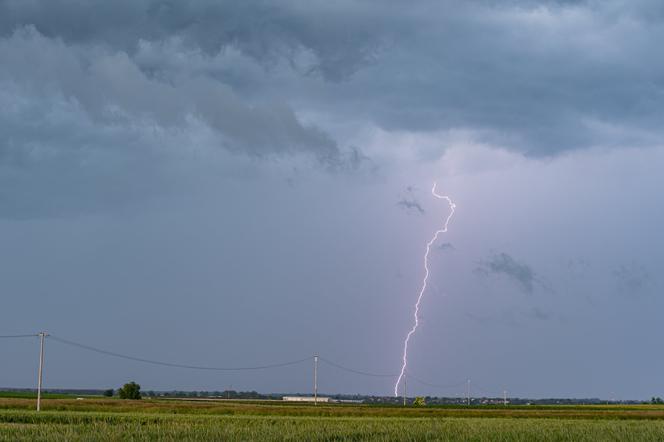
(468, 392)
(505, 398)
(315, 379)
(42, 335)
(404, 389)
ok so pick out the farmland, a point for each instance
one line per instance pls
(112, 419)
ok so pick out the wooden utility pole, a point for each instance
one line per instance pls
(316, 379)
(42, 335)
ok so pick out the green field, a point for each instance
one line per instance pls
(111, 419)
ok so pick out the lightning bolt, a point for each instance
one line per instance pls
(424, 284)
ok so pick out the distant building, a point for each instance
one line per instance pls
(305, 399)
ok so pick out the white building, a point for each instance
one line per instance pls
(305, 399)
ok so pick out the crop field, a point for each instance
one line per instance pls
(110, 419)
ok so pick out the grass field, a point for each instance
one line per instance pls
(99, 419)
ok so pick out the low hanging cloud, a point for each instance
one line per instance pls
(504, 265)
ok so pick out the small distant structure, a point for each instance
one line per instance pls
(305, 399)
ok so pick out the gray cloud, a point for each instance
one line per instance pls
(446, 246)
(92, 127)
(111, 88)
(409, 202)
(503, 264)
(266, 31)
(631, 278)
(499, 69)
(251, 77)
(411, 205)
(142, 85)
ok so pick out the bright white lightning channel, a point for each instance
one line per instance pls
(424, 284)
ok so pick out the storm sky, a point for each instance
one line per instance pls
(230, 183)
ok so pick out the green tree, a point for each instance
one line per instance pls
(109, 392)
(130, 390)
(419, 402)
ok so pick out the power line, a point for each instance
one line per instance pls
(173, 365)
(410, 375)
(246, 368)
(34, 335)
(351, 370)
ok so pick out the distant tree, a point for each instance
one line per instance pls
(419, 402)
(109, 392)
(656, 400)
(130, 390)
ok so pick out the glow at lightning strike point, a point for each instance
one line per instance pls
(424, 285)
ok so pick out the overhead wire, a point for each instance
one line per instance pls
(242, 368)
(174, 365)
(19, 336)
(352, 370)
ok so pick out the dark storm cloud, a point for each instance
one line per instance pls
(342, 37)
(519, 79)
(92, 89)
(539, 77)
(89, 127)
(504, 264)
(110, 87)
